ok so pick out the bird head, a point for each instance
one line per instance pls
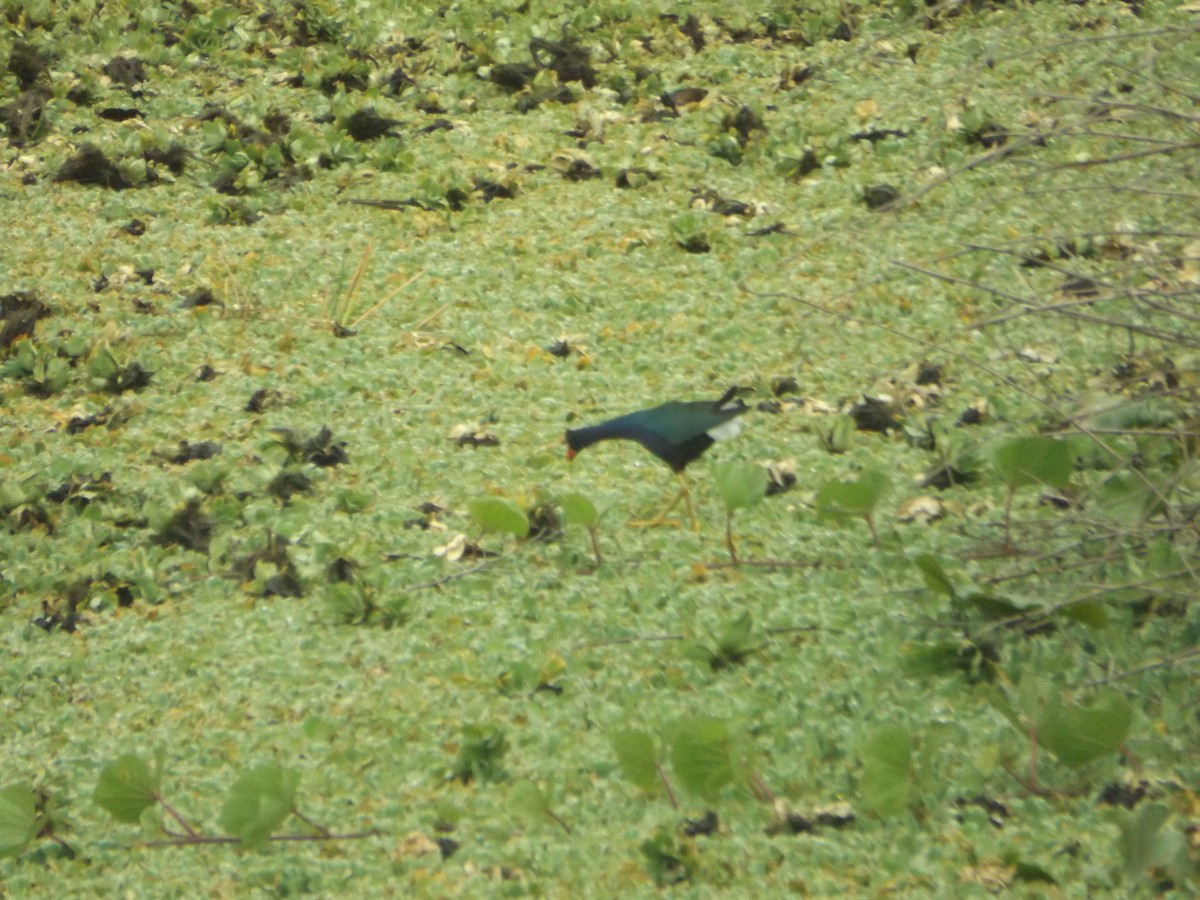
(572, 449)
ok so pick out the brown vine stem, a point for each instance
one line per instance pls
(204, 839)
(170, 810)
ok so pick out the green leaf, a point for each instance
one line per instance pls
(638, 759)
(737, 639)
(1079, 734)
(479, 756)
(1032, 693)
(887, 781)
(527, 801)
(1003, 702)
(1129, 415)
(837, 435)
(688, 226)
(1145, 846)
(21, 360)
(258, 802)
(934, 575)
(700, 652)
(668, 861)
(1130, 499)
(103, 364)
(932, 659)
(858, 498)
(740, 484)
(1163, 560)
(1139, 832)
(521, 678)
(18, 818)
(127, 786)
(347, 603)
(1035, 460)
(498, 515)
(1091, 613)
(994, 607)
(12, 496)
(578, 510)
(735, 644)
(1027, 871)
(704, 756)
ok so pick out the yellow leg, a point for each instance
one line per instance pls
(661, 519)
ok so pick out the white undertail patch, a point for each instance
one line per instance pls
(726, 430)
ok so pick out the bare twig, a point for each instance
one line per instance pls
(553, 815)
(1191, 653)
(662, 776)
(778, 564)
(170, 810)
(205, 839)
(1045, 612)
(653, 638)
(1123, 157)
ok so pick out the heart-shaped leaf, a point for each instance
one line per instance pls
(18, 818)
(638, 759)
(1034, 460)
(127, 786)
(578, 510)
(1076, 735)
(844, 499)
(934, 575)
(498, 515)
(887, 781)
(740, 483)
(258, 802)
(704, 756)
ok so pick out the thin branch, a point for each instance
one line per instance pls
(933, 345)
(1122, 136)
(792, 629)
(778, 564)
(758, 787)
(1158, 111)
(170, 810)
(957, 354)
(205, 839)
(454, 576)
(652, 638)
(662, 776)
(1122, 157)
(553, 815)
(1122, 36)
(1031, 307)
(1045, 612)
(315, 826)
(1182, 656)
(983, 160)
(962, 282)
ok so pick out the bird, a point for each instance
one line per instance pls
(677, 433)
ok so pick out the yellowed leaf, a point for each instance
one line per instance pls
(414, 844)
(922, 510)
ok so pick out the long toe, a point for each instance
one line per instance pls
(656, 522)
